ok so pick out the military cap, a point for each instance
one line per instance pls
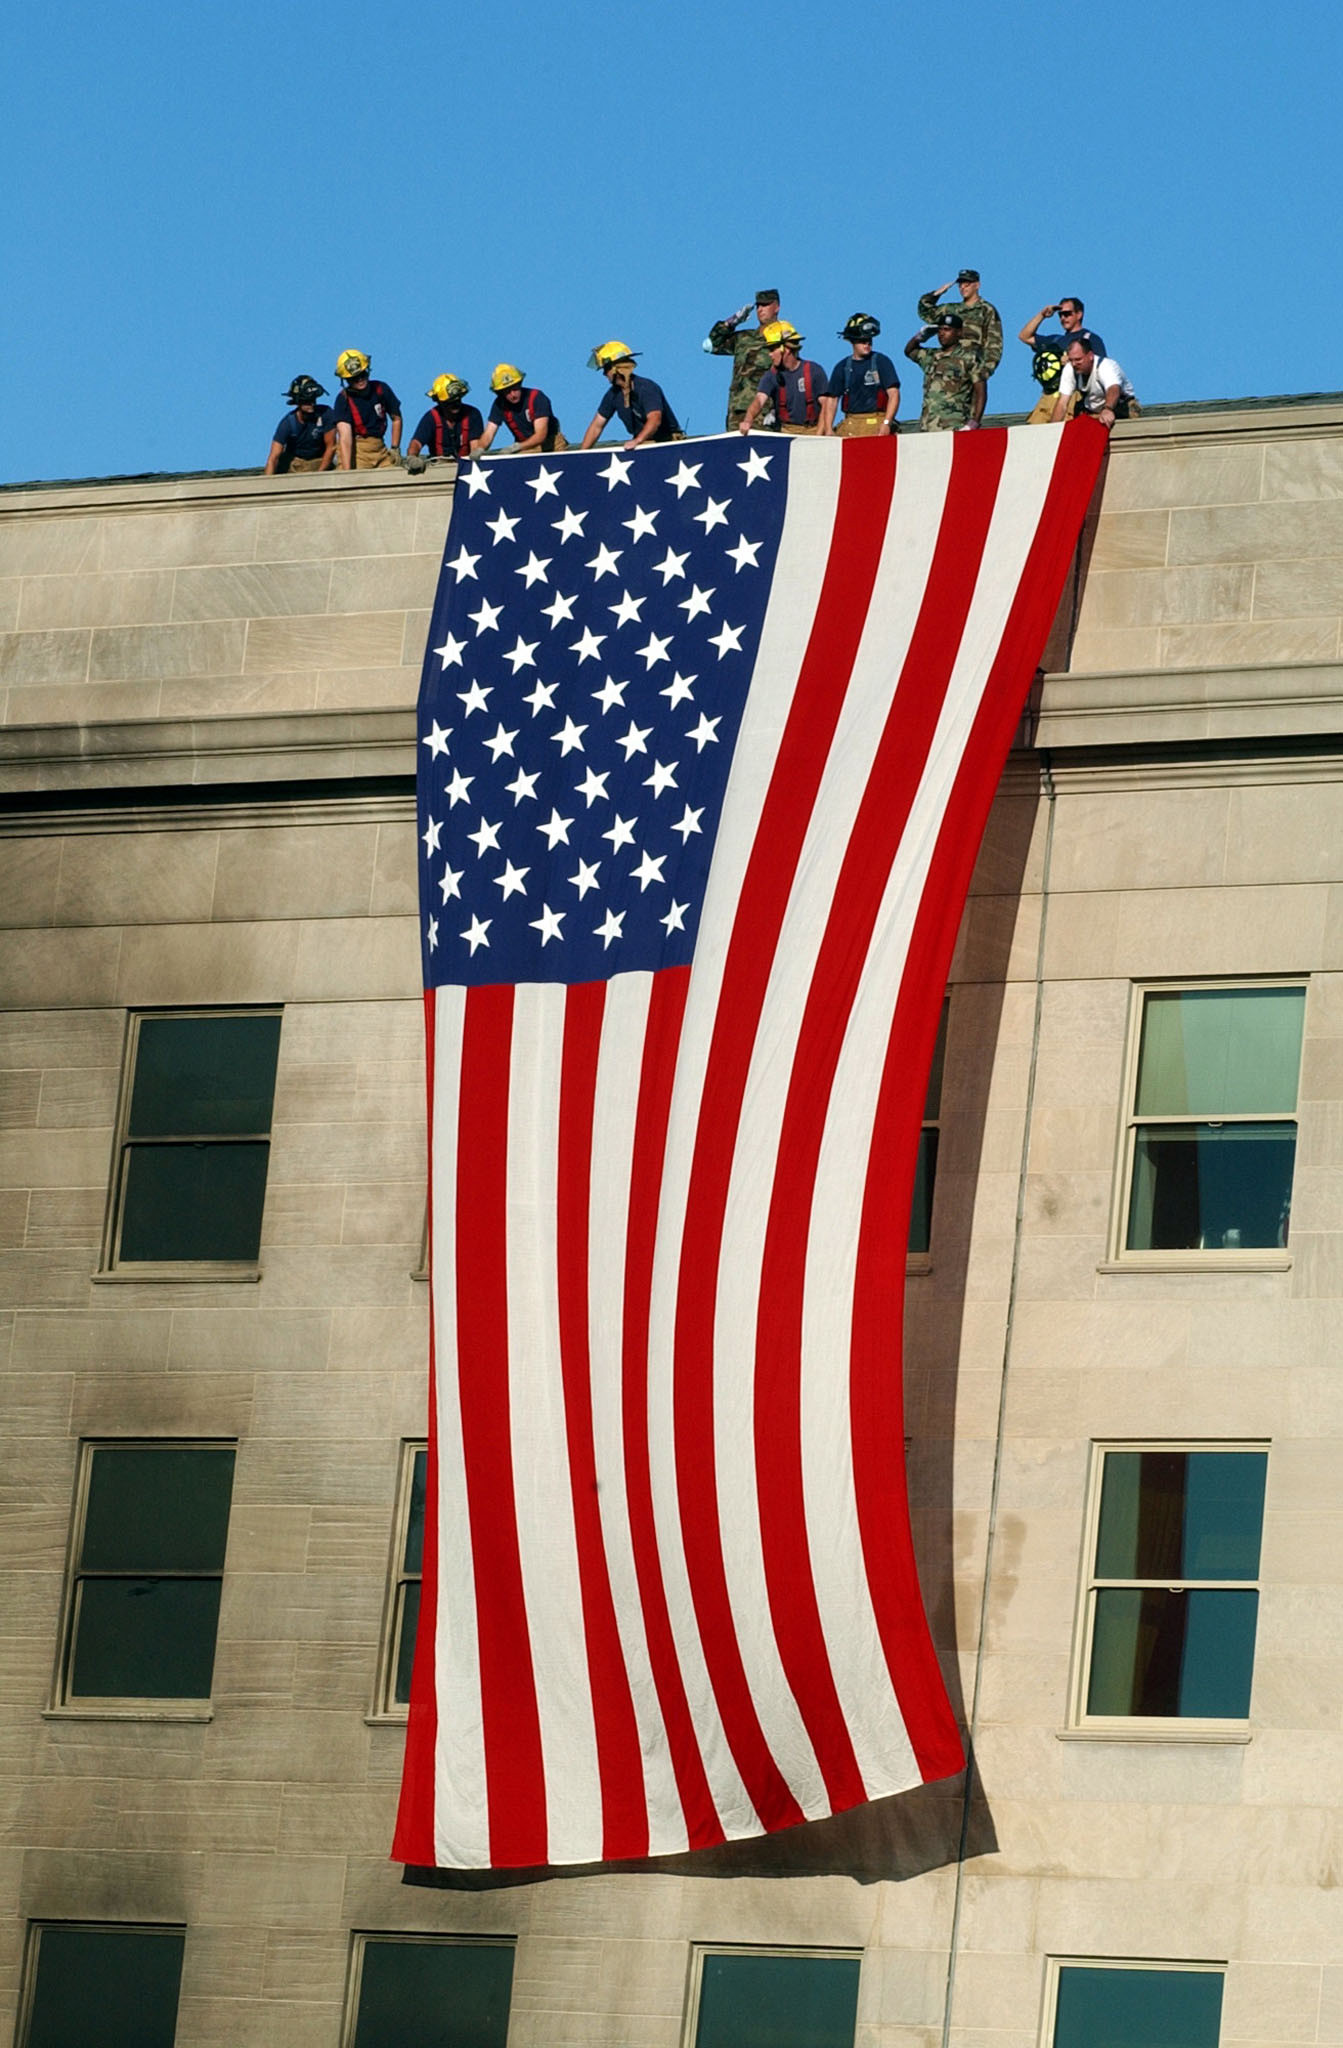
(764, 298)
(967, 277)
(950, 320)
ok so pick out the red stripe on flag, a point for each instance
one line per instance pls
(855, 553)
(619, 1757)
(414, 1836)
(874, 841)
(514, 1766)
(878, 1448)
(662, 1036)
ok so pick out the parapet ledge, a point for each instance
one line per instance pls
(1260, 701)
(147, 754)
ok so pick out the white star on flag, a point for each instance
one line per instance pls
(662, 777)
(635, 741)
(593, 786)
(688, 822)
(674, 921)
(617, 471)
(555, 830)
(609, 928)
(485, 838)
(459, 789)
(534, 569)
(604, 561)
(649, 870)
(545, 483)
(627, 612)
(432, 933)
(679, 689)
(621, 833)
(686, 478)
(586, 878)
(476, 481)
(503, 528)
(655, 650)
(524, 784)
(476, 931)
(697, 602)
(548, 923)
(450, 653)
(430, 836)
(486, 620)
(568, 737)
(610, 694)
(559, 609)
(511, 880)
(643, 522)
(745, 552)
(541, 697)
(756, 466)
(727, 639)
(705, 732)
(588, 645)
(449, 882)
(671, 565)
(464, 565)
(501, 742)
(475, 699)
(714, 514)
(436, 739)
(523, 655)
(570, 525)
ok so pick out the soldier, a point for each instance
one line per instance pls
(979, 320)
(797, 389)
(748, 350)
(954, 384)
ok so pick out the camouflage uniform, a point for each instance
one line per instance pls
(980, 325)
(750, 361)
(949, 379)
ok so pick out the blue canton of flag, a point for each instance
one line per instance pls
(591, 648)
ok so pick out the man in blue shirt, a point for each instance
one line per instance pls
(796, 387)
(865, 385)
(364, 411)
(642, 405)
(306, 437)
(449, 428)
(525, 411)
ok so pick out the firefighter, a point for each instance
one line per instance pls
(306, 437)
(364, 411)
(797, 388)
(865, 383)
(642, 405)
(449, 428)
(525, 411)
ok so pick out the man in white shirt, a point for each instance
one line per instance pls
(1105, 391)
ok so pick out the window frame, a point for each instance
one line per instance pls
(821, 1951)
(120, 1706)
(32, 1945)
(1188, 1259)
(385, 1707)
(1056, 1965)
(111, 1266)
(419, 1937)
(1146, 1727)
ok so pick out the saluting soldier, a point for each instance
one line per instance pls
(954, 385)
(749, 352)
(980, 324)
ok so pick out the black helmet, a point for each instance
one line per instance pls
(1047, 368)
(860, 327)
(303, 389)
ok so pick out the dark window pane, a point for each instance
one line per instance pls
(932, 1106)
(106, 1987)
(1137, 2008)
(1211, 1187)
(921, 1209)
(1220, 1052)
(203, 1076)
(144, 1639)
(1172, 1654)
(193, 1201)
(436, 1994)
(405, 1642)
(157, 1510)
(413, 1560)
(777, 2002)
(1181, 1515)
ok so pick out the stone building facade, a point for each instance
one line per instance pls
(207, 759)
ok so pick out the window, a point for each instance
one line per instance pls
(1135, 2005)
(114, 1985)
(151, 1523)
(193, 1139)
(1172, 1603)
(403, 1592)
(430, 1989)
(925, 1171)
(1212, 1137)
(772, 1998)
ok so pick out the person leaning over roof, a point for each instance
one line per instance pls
(1105, 391)
(642, 405)
(306, 437)
(748, 349)
(449, 428)
(954, 386)
(364, 411)
(795, 387)
(525, 411)
(980, 323)
(865, 384)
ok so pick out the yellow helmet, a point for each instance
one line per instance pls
(780, 334)
(447, 387)
(610, 352)
(351, 362)
(506, 375)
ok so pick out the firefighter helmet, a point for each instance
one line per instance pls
(447, 387)
(351, 363)
(860, 327)
(506, 375)
(305, 391)
(608, 354)
(781, 334)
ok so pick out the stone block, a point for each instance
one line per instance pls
(1246, 642)
(319, 872)
(1257, 533)
(57, 656)
(66, 1216)
(135, 599)
(395, 888)
(171, 537)
(389, 688)
(294, 1891)
(1172, 838)
(73, 1098)
(254, 590)
(236, 696)
(281, 1744)
(1299, 589)
(348, 640)
(383, 583)
(1140, 479)
(170, 964)
(61, 1039)
(322, 530)
(1163, 597)
(1297, 470)
(44, 547)
(357, 959)
(43, 969)
(136, 878)
(1129, 540)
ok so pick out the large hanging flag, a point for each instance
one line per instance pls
(709, 734)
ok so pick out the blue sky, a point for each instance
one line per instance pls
(205, 199)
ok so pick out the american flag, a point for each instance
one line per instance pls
(708, 736)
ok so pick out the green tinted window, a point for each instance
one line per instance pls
(1211, 1187)
(1173, 1652)
(151, 1639)
(408, 1589)
(413, 1560)
(1137, 2008)
(193, 1201)
(436, 1994)
(210, 1077)
(777, 2001)
(1181, 1514)
(1220, 1052)
(104, 1987)
(157, 1509)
